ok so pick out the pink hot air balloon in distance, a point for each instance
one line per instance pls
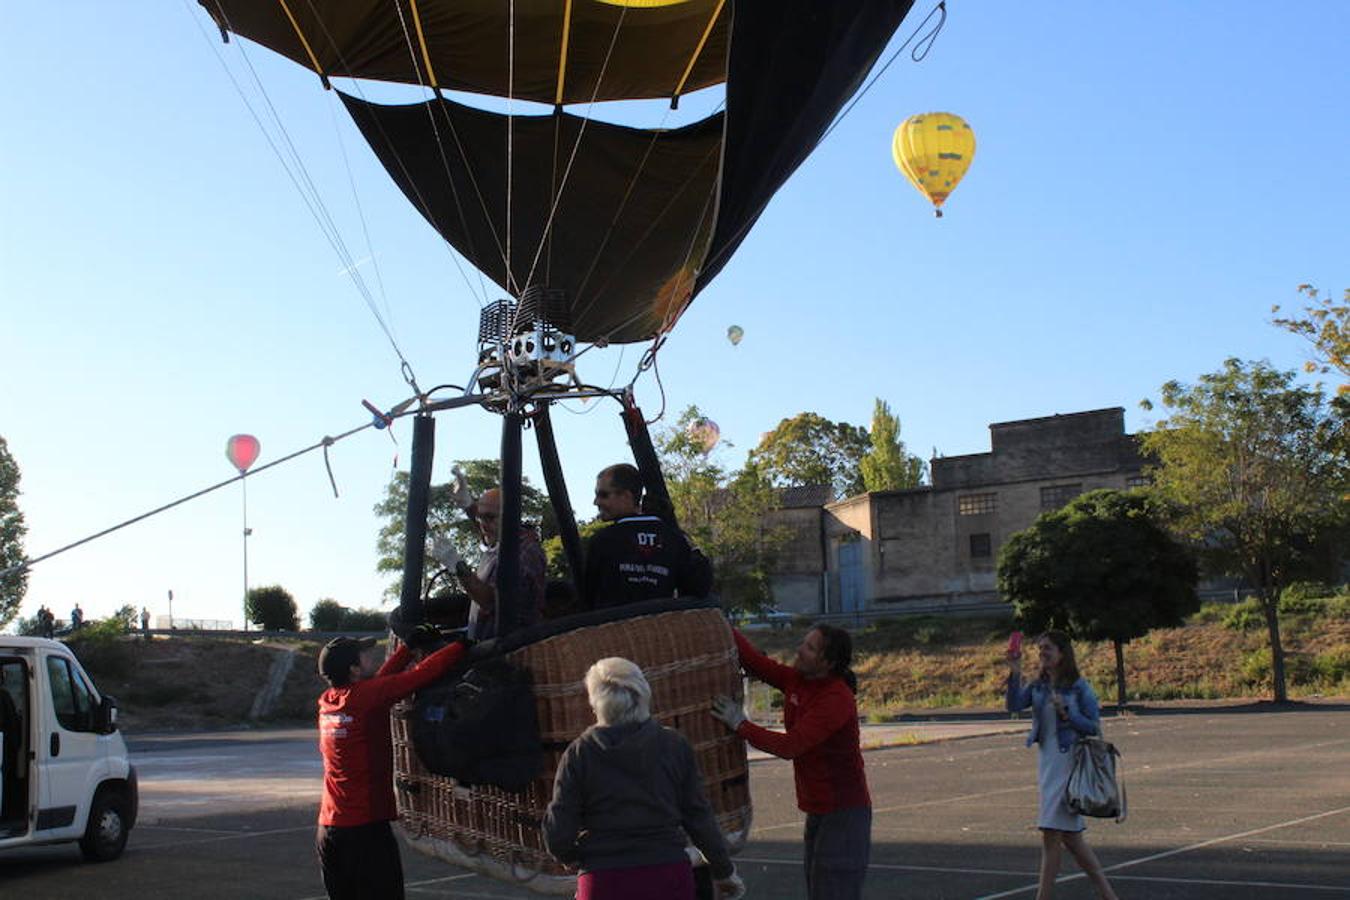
(242, 451)
(704, 433)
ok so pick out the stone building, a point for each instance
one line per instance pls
(936, 547)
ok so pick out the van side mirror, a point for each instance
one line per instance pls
(105, 717)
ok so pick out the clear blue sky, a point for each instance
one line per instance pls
(1149, 179)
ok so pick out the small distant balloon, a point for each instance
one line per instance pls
(704, 433)
(734, 334)
(242, 451)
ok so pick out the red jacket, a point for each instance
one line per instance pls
(355, 740)
(822, 738)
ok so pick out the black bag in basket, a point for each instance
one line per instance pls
(481, 729)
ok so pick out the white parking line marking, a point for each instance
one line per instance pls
(1178, 850)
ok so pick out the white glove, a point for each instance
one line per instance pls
(729, 711)
(729, 888)
(444, 552)
(459, 489)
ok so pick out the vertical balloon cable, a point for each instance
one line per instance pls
(314, 60)
(562, 53)
(688, 70)
(422, 41)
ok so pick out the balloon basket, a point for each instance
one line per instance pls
(686, 651)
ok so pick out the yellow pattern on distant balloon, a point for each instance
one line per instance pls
(934, 151)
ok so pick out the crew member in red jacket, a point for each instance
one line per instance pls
(358, 854)
(821, 718)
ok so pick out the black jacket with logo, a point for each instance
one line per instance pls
(643, 558)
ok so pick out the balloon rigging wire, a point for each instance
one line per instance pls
(361, 215)
(918, 54)
(312, 198)
(510, 135)
(576, 145)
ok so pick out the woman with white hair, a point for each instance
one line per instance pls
(627, 793)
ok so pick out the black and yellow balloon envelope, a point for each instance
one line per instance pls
(934, 150)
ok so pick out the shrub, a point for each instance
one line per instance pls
(1213, 611)
(326, 615)
(1298, 605)
(1245, 616)
(273, 608)
(364, 620)
(1305, 590)
(1333, 667)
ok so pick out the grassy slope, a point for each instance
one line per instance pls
(929, 662)
(902, 664)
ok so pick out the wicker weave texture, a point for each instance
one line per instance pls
(688, 658)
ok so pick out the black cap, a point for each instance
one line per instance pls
(339, 655)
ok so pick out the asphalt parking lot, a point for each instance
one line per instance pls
(1228, 802)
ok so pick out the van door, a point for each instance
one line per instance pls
(70, 756)
(16, 720)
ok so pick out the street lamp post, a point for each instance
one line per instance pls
(242, 451)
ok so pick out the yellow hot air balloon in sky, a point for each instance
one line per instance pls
(934, 151)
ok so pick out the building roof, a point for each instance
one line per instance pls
(805, 495)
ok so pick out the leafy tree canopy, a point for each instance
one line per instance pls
(723, 514)
(888, 466)
(810, 449)
(445, 518)
(1102, 567)
(12, 531)
(1326, 325)
(272, 608)
(1255, 467)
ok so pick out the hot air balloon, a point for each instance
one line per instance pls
(604, 233)
(242, 451)
(934, 151)
(734, 334)
(628, 224)
(704, 433)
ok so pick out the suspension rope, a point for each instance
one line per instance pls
(510, 136)
(300, 178)
(324, 443)
(562, 53)
(422, 40)
(304, 42)
(445, 161)
(576, 145)
(698, 51)
(918, 54)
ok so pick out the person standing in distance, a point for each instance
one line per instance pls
(358, 855)
(638, 557)
(822, 739)
(1064, 708)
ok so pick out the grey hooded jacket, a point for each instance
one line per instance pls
(626, 796)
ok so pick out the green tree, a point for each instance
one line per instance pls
(326, 615)
(1326, 325)
(888, 466)
(723, 514)
(1255, 467)
(12, 531)
(810, 449)
(1102, 567)
(445, 518)
(272, 608)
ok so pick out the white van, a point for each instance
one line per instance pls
(64, 772)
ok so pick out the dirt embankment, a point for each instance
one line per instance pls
(198, 683)
(904, 664)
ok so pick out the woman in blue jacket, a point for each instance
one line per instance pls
(1064, 709)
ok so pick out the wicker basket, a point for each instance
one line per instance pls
(688, 657)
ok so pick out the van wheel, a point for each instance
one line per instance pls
(106, 834)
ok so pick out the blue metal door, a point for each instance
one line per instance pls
(851, 578)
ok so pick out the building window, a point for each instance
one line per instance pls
(976, 504)
(981, 547)
(1137, 481)
(1055, 496)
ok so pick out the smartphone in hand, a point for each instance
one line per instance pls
(1015, 644)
